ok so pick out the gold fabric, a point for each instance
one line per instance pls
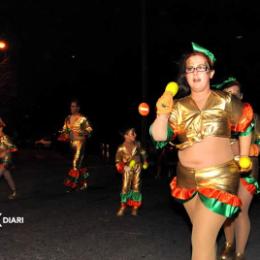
(131, 179)
(78, 129)
(192, 124)
(6, 147)
(6, 143)
(131, 176)
(138, 154)
(78, 148)
(224, 177)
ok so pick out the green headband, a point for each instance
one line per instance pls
(225, 82)
(198, 48)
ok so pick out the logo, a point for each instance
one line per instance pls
(10, 220)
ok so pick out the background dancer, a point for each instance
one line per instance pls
(6, 148)
(76, 130)
(238, 229)
(130, 159)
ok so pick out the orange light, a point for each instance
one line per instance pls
(143, 109)
(3, 45)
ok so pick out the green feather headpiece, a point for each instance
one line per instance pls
(201, 49)
(225, 82)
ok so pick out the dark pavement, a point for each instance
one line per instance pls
(83, 225)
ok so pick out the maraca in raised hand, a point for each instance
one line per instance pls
(245, 163)
(164, 104)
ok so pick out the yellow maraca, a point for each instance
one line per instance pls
(145, 165)
(172, 87)
(165, 102)
(245, 162)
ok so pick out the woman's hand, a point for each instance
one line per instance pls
(164, 104)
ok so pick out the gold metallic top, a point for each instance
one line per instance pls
(6, 148)
(6, 144)
(79, 129)
(256, 132)
(138, 154)
(191, 124)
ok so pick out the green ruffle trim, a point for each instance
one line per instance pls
(219, 207)
(251, 180)
(131, 195)
(249, 130)
(162, 144)
(225, 82)
(197, 47)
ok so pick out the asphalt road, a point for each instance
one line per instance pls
(84, 225)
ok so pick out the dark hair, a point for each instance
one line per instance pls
(184, 88)
(75, 100)
(125, 130)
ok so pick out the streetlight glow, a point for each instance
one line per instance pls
(3, 45)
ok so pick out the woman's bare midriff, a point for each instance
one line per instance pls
(235, 147)
(209, 152)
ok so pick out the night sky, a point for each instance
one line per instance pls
(96, 51)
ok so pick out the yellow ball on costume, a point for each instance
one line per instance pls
(132, 164)
(244, 162)
(172, 87)
(145, 165)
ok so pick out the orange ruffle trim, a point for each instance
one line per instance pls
(186, 194)
(251, 188)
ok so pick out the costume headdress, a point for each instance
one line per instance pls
(203, 50)
(224, 83)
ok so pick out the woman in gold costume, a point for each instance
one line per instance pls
(130, 160)
(76, 130)
(207, 174)
(238, 229)
(6, 148)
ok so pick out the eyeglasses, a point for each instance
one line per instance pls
(199, 68)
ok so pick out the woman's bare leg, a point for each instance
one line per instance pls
(206, 226)
(190, 207)
(229, 230)
(242, 222)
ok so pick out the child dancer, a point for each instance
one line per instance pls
(130, 159)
